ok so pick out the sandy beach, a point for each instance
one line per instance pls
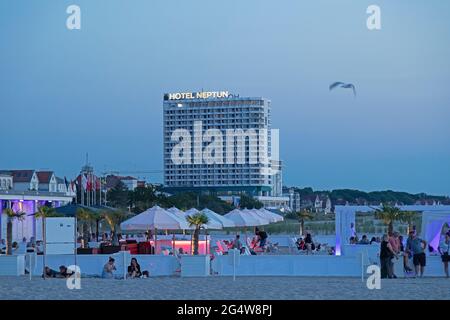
(224, 288)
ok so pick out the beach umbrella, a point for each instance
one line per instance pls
(254, 212)
(179, 213)
(190, 212)
(155, 218)
(243, 219)
(272, 217)
(226, 223)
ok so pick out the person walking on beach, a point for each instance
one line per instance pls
(386, 256)
(416, 246)
(108, 269)
(444, 250)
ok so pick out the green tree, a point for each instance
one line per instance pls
(119, 196)
(142, 198)
(197, 220)
(249, 202)
(11, 216)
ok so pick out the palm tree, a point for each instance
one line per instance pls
(389, 214)
(11, 216)
(85, 216)
(302, 216)
(43, 213)
(198, 219)
(408, 217)
(113, 219)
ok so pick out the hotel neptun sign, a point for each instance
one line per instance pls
(196, 95)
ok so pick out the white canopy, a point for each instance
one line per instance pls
(154, 218)
(245, 219)
(190, 212)
(179, 213)
(225, 223)
(269, 215)
(212, 223)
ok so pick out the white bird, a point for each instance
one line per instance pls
(343, 85)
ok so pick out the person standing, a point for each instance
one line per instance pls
(386, 256)
(395, 244)
(404, 252)
(416, 246)
(237, 244)
(444, 250)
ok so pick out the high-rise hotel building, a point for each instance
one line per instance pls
(190, 119)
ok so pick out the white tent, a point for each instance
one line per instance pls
(432, 222)
(269, 215)
(179, 213)
(433, 218)
(154, 218)
(190, 212)
(212, 223)
(254, 212)
(244, 219)
(226, 223)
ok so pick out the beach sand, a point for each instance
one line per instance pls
(224, 288)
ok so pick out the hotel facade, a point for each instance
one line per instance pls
(26, 191)
(221, 143)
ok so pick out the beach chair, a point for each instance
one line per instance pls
(220, 247)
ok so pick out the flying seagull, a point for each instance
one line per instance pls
(343, 85)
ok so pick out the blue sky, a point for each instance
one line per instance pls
(99, 89)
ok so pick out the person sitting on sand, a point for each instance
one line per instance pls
(49, 273)
(108, 269)
(134, 269)
(63, 272)
(310, 247)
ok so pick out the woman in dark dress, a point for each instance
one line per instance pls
(134, 269)
(386, 255)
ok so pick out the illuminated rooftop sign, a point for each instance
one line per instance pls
(196, 95)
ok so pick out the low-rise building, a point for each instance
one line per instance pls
(26, 191)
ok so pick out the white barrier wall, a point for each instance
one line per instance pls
(310, 266)
(289, 265)
(92, 265)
